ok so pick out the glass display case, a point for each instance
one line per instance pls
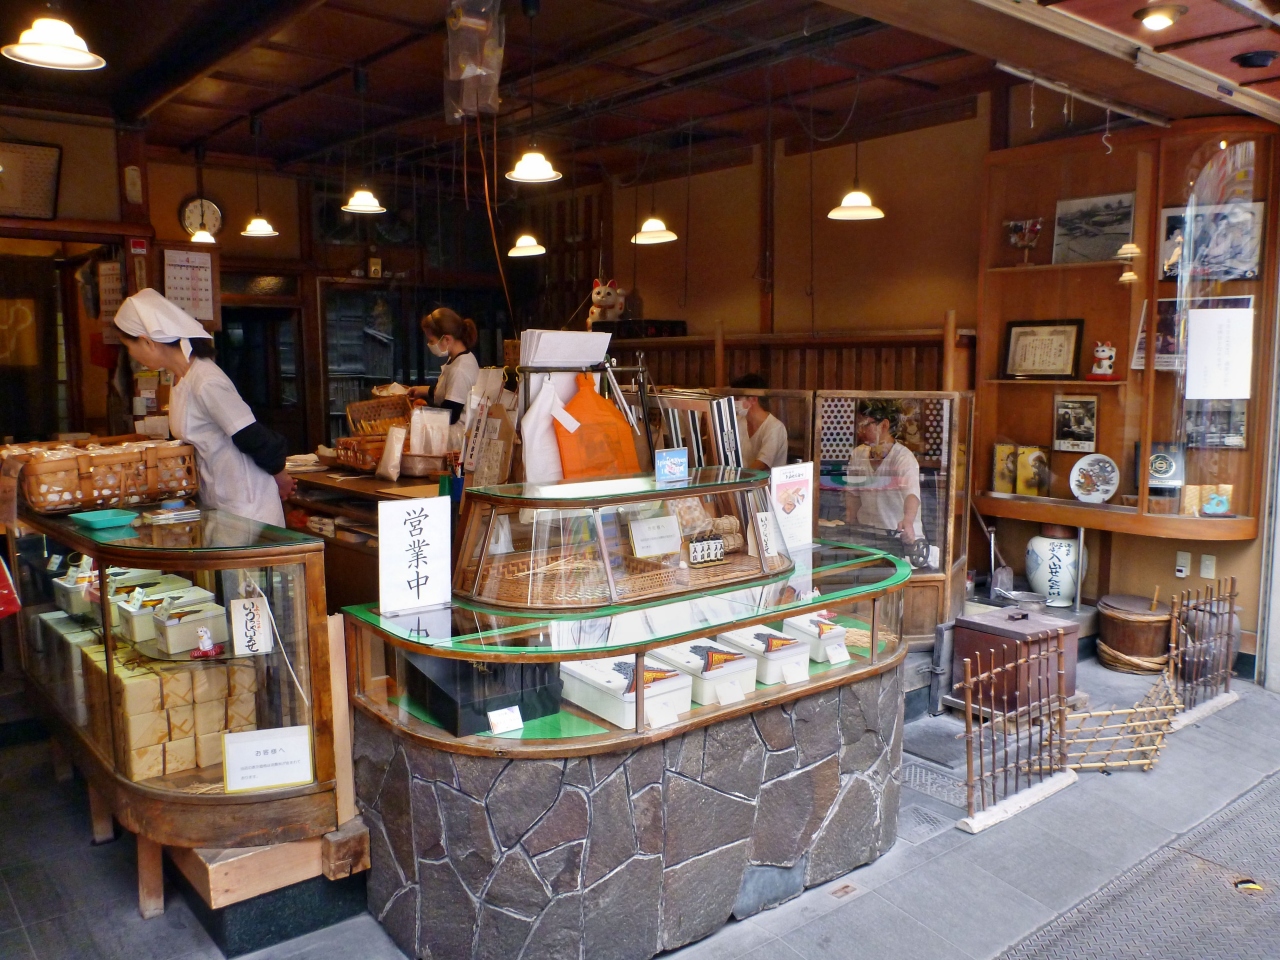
(586, 544)
(186, 668)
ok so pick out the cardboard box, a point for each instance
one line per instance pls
(175, 685)
(137, 690)
(180, 755)
(143, 730)
(144, 763)
(211, 717)
(140, 625)
(242, 678)
(179, 632)
(209, 750)
(182, 722)
(209, 682)
(243, 728)
(241, 710)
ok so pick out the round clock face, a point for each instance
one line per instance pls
(189, 213)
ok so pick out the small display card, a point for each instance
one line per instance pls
(794, 673)
(659, 713)
(250, 626)
(671, 465)
(55, 562)
(837, 653)
(266, 759)
(505, 720)
(414, 568)
(728, 691)
(791, 487)
(655, 537)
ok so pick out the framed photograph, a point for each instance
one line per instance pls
(29, 186)
(1075, 424)
(1092, 228)
(1217, 423)
(1223, 242)
(1171, 329)
(1042, 349)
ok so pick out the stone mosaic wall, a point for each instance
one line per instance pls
(621, 856)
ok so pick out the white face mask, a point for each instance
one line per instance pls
(740, 408)
(438, 348)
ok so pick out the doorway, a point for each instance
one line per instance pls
(33, 360)
(258, 349)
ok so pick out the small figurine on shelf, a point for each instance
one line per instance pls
(1104, 362)
(1023, 235)
(607, 302)
(208, 649)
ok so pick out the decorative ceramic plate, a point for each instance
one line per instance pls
(1095, 478)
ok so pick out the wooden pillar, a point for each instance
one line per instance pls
(314, 380)
(131, 161)
(104, 830)
(765, 268)
(62, 769)
(949, 351)
(721, 381)
(150, 878)
(999, 119)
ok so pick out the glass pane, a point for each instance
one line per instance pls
(699, 477)
(215, 530)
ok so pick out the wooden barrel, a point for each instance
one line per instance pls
(1128, 626)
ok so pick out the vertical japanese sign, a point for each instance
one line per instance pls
(414, 569)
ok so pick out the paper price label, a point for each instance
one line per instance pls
(54, 562)
(837, 653)
(659, 714)
(796, 672)
(728, 691)
(505, 720)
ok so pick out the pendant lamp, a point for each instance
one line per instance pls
(202, 235)
(363, 200)
(526, 246)
(856, 204)
(53, 43)
(533, 167)
(259, 226)
(653, 230)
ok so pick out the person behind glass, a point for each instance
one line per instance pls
(241, 462)
(764, 442)
(448, 335)
(883, 476)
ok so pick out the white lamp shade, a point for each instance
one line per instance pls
(1128, 251)
(1160, 16)
(53, 43)
(653, 230)
(1128, 276)
(363, 201)
(202, 236)
(856, 205)
(526, 246)
(533, 168)
(259, 227)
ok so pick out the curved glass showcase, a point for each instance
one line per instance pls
(579, 545)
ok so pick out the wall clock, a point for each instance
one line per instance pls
(189, 215)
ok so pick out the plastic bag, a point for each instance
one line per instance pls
(429, 432)
(389, 466)
(541, 448)
(594, 437)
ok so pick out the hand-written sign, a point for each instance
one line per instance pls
(414, 569)
(250, 626)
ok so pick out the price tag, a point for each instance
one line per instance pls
(134, 603)
(505, 720)
(659, 713)
(837, 653)
(796, 672)
(728, 691)
(54, 562)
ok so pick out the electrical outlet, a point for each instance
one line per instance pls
(1182, 564)
(1208, 566)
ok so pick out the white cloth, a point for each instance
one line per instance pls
(883, 492)
(205, 410)
(148, 314)
(457, 377)
(769, 444)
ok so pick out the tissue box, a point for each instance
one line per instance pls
(178, 633)
(772, 651)
(817, 630)
(692, 658)
(599, 687)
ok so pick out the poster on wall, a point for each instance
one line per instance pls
(188, 282)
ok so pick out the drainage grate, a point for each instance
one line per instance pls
(916, 824)
(1206, 897)
(934, 783)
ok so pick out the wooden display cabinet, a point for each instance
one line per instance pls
(1196, 166)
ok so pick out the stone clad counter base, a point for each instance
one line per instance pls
(620, 856)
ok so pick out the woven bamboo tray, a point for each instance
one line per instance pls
(375, 417)
(67, 479)
(361, 453)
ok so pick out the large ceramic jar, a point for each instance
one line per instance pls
(1051, 564)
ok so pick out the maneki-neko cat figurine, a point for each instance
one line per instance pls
(1104, 363)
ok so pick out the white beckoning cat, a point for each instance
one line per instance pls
(607, 302)
(1104, 361)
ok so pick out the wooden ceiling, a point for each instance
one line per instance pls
(620, 84)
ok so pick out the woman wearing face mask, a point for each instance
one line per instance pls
(764, 441)
(448, 335)
(241, 462)
(884, 475)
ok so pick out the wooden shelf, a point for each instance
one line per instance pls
(1039, 267)
(1116, 519)
(1057, 383)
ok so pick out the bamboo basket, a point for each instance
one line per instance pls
(361, 453)
(375, 417)
(67, 479)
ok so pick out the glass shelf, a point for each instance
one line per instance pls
(215, 531)
(701, 480)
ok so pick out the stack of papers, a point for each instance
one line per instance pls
(180, 515)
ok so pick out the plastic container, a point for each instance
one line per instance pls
(754, 642)
(816, 630)
(101, 519)
(598, 688)
(689, 658)
(163, 584)
(72, 597)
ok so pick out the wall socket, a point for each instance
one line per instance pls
(1182, 564)
(1208, 566)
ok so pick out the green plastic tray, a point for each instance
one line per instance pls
(97, 519)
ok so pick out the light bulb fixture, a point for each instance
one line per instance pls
(533, 167)
(1159, 16)
(1128, 276)
(202, 236)
(363, 201)
(653, 230)
(856, 204)
(259, 226)
(1128, 252)
(53, 43)
(526, 246)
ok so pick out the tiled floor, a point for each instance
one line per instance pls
(950, 896)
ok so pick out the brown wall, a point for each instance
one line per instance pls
(232, 190)
(87, 187)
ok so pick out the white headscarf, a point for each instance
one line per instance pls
(148, 314)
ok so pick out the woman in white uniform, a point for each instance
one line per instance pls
(241, 462)
(448, 335)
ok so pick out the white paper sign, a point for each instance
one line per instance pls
(414, 568)
(250, 626)
(505, 720)
(769, 531)
(655, 537)
(791, 488)
(659, 713)
(837, 653)
(1219, 353)
(728, 691)
(55, 561)
(265, 759)
(795, 672)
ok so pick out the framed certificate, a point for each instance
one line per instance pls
(1042, 349)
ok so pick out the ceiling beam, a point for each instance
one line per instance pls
(216, 33)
